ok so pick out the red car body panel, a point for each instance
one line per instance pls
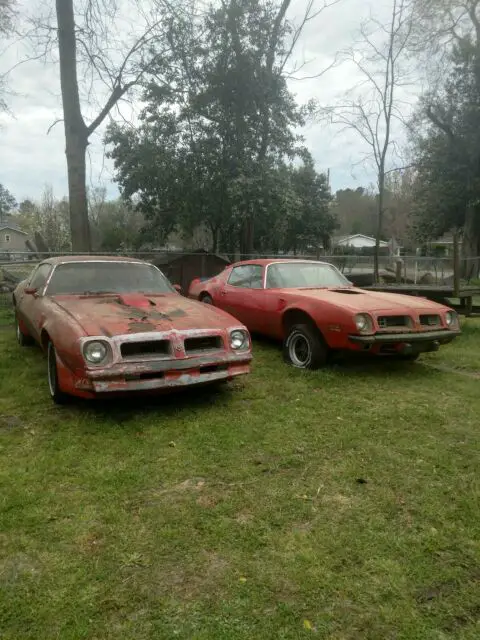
(332, 309)
(144, 322)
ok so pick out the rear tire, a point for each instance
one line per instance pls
(206, 299)
(305, 348)
(56, 393)
(23, 339)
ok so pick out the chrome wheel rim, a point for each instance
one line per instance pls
(52, 369)
(17, 329)
(299, 350)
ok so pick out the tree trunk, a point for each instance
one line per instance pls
(215, 234)
(376, 255)
(471, 244)
(76, 134)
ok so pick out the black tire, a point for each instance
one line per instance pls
(52, 376)
(206, 299)
(304, 347)
(23, 339)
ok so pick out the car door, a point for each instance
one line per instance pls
(30, 305)
(242, 294)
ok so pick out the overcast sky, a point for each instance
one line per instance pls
(30, 158)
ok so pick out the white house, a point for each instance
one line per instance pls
(358, 241)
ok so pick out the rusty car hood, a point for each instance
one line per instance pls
(361, 300)
(121, 314)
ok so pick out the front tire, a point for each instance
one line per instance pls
(23, 339)
(56, 393)
(206, 299)
(304, 347)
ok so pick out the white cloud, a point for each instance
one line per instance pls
(31, 158)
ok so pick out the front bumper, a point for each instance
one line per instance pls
(443, 337)
(164, 374)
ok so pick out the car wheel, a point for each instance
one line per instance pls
(206, 299)
(23, 339)
(305, 348)
(56, 393)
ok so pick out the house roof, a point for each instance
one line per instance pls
(346, 239)
(11, 227)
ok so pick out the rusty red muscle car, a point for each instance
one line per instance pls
(117, 325)
(316, 311)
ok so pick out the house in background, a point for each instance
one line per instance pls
(12, 239)
(358, 241)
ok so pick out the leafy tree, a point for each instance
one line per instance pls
(49, 217)
(356, 211)
(7, 203)
(210, 148)
(313, 221)
(447, 188)
(115, 224)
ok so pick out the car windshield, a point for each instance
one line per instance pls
(107, 277)
(295, 275)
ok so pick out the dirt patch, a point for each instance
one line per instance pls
(16, 566)
(244, 517)
(10, 423)
(475, 375)
(200, 578)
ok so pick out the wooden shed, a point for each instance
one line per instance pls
(183, 268)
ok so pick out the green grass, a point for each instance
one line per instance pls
(239, 513)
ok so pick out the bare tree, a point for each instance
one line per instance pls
(7, 19)
(373, 107)
(104, 49)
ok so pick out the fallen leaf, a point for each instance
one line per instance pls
(307, 625)
(242, 579)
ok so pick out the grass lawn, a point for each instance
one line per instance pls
(341, 504)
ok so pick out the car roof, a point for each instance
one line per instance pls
(64, 259)
(266, 261)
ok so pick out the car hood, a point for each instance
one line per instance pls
(111, 315)
(361, 300)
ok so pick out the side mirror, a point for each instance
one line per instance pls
(30, 291)
(178, 288)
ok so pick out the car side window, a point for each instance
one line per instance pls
(40, 276)
(247, 277)
(256, 281)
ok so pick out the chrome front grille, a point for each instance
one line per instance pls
(430, 320)
(394, 322)
(202, 344)
(145, 349)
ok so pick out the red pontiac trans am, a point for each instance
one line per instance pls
(116, 325)
(315, 311)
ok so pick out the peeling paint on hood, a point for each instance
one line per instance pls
(112, 315)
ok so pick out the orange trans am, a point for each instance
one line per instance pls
(316, 311)
(116, 325)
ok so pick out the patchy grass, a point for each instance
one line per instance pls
(341, 504)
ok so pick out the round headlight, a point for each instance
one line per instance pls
(238, 340)
(450, 318)
(95, 352)
(362, 322)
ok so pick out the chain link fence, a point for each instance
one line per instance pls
(182, 267)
